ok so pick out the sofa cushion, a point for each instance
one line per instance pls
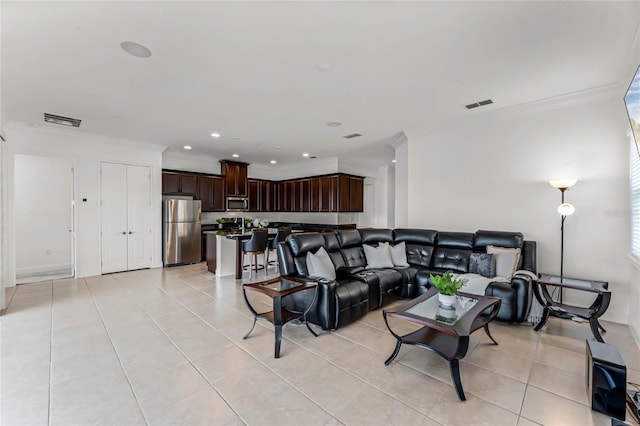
(483, 264)
(320, 265)
(506, 260)
(378, 257)
(451, 259)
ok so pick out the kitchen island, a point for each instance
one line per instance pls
(224, 247)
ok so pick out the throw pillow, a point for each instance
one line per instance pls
(320, 265)
(483, 264)
(399, 254)
(506, 260)
(378, 257)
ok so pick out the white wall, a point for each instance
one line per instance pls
(401, 184)
(43, 194)
(86, 151)
(191, 162)
(491, 172)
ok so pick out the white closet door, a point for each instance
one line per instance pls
(139, 217)
(113, 178)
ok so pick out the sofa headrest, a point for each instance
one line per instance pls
(425, 237)
(349, 238)
(370, 236)
(498, 238)
(461, 240)
(330, 242)
(301, 243)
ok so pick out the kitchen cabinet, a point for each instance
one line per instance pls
(177, 183)
(262, 196)
(254, 196)
(356, 194)
(235, 177)
(211, 192)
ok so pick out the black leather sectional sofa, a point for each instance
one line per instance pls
(357, 290)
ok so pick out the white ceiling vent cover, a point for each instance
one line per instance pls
(63, 121)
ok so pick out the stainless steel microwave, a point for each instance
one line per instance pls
(237, 204)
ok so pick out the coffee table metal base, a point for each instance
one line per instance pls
(447, 346)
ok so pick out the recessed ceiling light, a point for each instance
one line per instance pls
(215, 135)
(187, 147)
(305, 154)
(334, 124)
(135, 49)
(235, 155)
(323, 67)
(393, 161)
(273, 161)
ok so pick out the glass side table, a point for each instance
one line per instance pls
(564, 310)
(277, 289)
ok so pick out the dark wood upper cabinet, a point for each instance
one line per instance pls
(235, 175)
(175, 183)
(330, 193)
(356, 194)
(314, 196)
(211, 192)
(305, 195)
(255, 199)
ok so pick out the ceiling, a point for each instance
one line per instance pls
(255, 72)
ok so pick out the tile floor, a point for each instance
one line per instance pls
(164, 346)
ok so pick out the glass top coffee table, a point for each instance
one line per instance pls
(444, 331)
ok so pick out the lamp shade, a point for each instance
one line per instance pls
(562, 183)
(566, 209)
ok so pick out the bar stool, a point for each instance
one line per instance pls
(281, 235)
(256, 245)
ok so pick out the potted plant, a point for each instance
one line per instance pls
(448, 285)
(220, 222)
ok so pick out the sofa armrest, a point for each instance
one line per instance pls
(523, 287)
(324, 310)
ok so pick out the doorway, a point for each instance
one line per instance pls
(44, 218)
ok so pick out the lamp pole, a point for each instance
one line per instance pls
(565, 209)
(563, 217)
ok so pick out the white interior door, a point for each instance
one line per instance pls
(139, 217)
(113, 188)
(43, 217)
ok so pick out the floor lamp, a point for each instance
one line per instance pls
(565, 209)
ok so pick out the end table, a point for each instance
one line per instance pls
(591, 313)
(277, 289)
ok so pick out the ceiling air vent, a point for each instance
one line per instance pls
(479, 104)
(64, 121)
(352, 135)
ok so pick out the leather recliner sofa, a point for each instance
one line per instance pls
(357, 290)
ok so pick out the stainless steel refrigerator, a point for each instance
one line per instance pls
(181, 231)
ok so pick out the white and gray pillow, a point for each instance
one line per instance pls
(320, 264)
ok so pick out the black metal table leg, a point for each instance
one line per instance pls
(395, 352)
(593, 323)
(455, 376)
(486, 330)
(543, 320)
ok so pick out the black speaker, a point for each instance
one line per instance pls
(606, 379)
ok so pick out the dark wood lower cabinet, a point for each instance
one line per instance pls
(211, 251)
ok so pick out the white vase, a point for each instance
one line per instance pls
(447, 300)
